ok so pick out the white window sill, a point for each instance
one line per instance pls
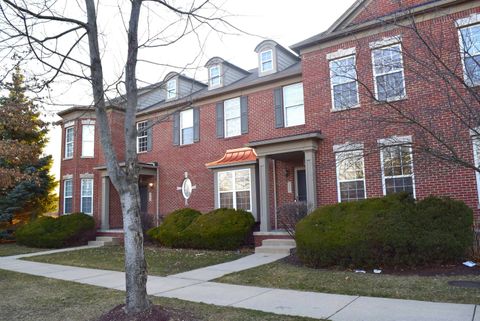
(67, 158)
(391, 100)
(293, 126)
(234, 136)
(144, 152)
(346, 109)
(87, 157)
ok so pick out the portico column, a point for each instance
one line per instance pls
(311, 175)
(264, 195)
(105, 203)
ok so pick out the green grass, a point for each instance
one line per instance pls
(161, 261)
(33, 298)
(14, 249)
(284, 275)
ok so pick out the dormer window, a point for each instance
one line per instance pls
(172, 89)
(266, 60)
(214, 79)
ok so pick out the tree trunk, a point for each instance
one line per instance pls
(135, 264)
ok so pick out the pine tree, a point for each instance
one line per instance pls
(26, 186)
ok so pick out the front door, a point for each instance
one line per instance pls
(143, 199)
(301, 192)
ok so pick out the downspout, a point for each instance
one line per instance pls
(275, 193)
(157, 199)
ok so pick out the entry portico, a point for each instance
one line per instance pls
(290, 147)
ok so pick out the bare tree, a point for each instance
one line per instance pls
(66, 42)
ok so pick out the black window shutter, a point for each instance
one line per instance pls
(220, 123)
(176, 128)
(149, 135)
(196, 124)
(244, 113)
(278, 98)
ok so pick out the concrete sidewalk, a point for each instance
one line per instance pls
(192, 286)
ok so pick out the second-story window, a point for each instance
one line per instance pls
(293, 105)
(142, 137)
(266, 60)
(388, 73)
(69, 141)
(214, 76)
(172, 89)
(343, 77)
(470, 50)
(233, 119)
(186, 127)
(88, 140)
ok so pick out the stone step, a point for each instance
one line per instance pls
(273, 249)
(96, 243)
(114, 240)
(279, 242)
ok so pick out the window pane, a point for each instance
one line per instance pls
(242, 180)
(471, 40)
(400, 184)
(226, 200)
(390, 86)
(243, 200)
(225, 181)
(472, 69)
(352, 191)
(86, 205)
(187, 136)
(68, 206)
(87, 187)
(295, 116)
(293, 95)
(343, 70)
(232, 108)
(68, 188)
(186, 118)
(387, 60)
(233, 127)
(345, 95)
(350, 165)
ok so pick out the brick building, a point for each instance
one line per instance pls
(296, 128)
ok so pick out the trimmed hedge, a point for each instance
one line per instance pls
(221, 229)
(388, 231)
(49, 232)
(168, 233)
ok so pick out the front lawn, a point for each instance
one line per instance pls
(14, 249)
(33, 298)
(161, 261)
(284, 275)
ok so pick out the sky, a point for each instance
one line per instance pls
(285, 22)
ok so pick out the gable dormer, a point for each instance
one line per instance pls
(221, 73)
(171, 86)
(177, 86)
(273, 58)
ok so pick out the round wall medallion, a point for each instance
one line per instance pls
(187, 188)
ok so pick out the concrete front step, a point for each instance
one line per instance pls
(105, 240)
(276, 246)
(279, 242)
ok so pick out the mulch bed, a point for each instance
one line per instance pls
(435, 270)
(156, 313)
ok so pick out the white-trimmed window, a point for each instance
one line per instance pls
(172, 88)
(266, 60)
(86, 196)
(67, 196)
(350, 176)
(233, 119)
(343, 78)
(234, 189)
(214, 76)
(397, 169)
(470, 51)
(388, 73)
(293, 105)
(88, 140)
(142, 137)
(186, 127)
(69, 141)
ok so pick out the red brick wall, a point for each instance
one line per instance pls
(379, 8)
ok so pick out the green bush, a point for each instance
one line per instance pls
(388, 231)
(168, 233)
(221, 229)
(49, 232)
